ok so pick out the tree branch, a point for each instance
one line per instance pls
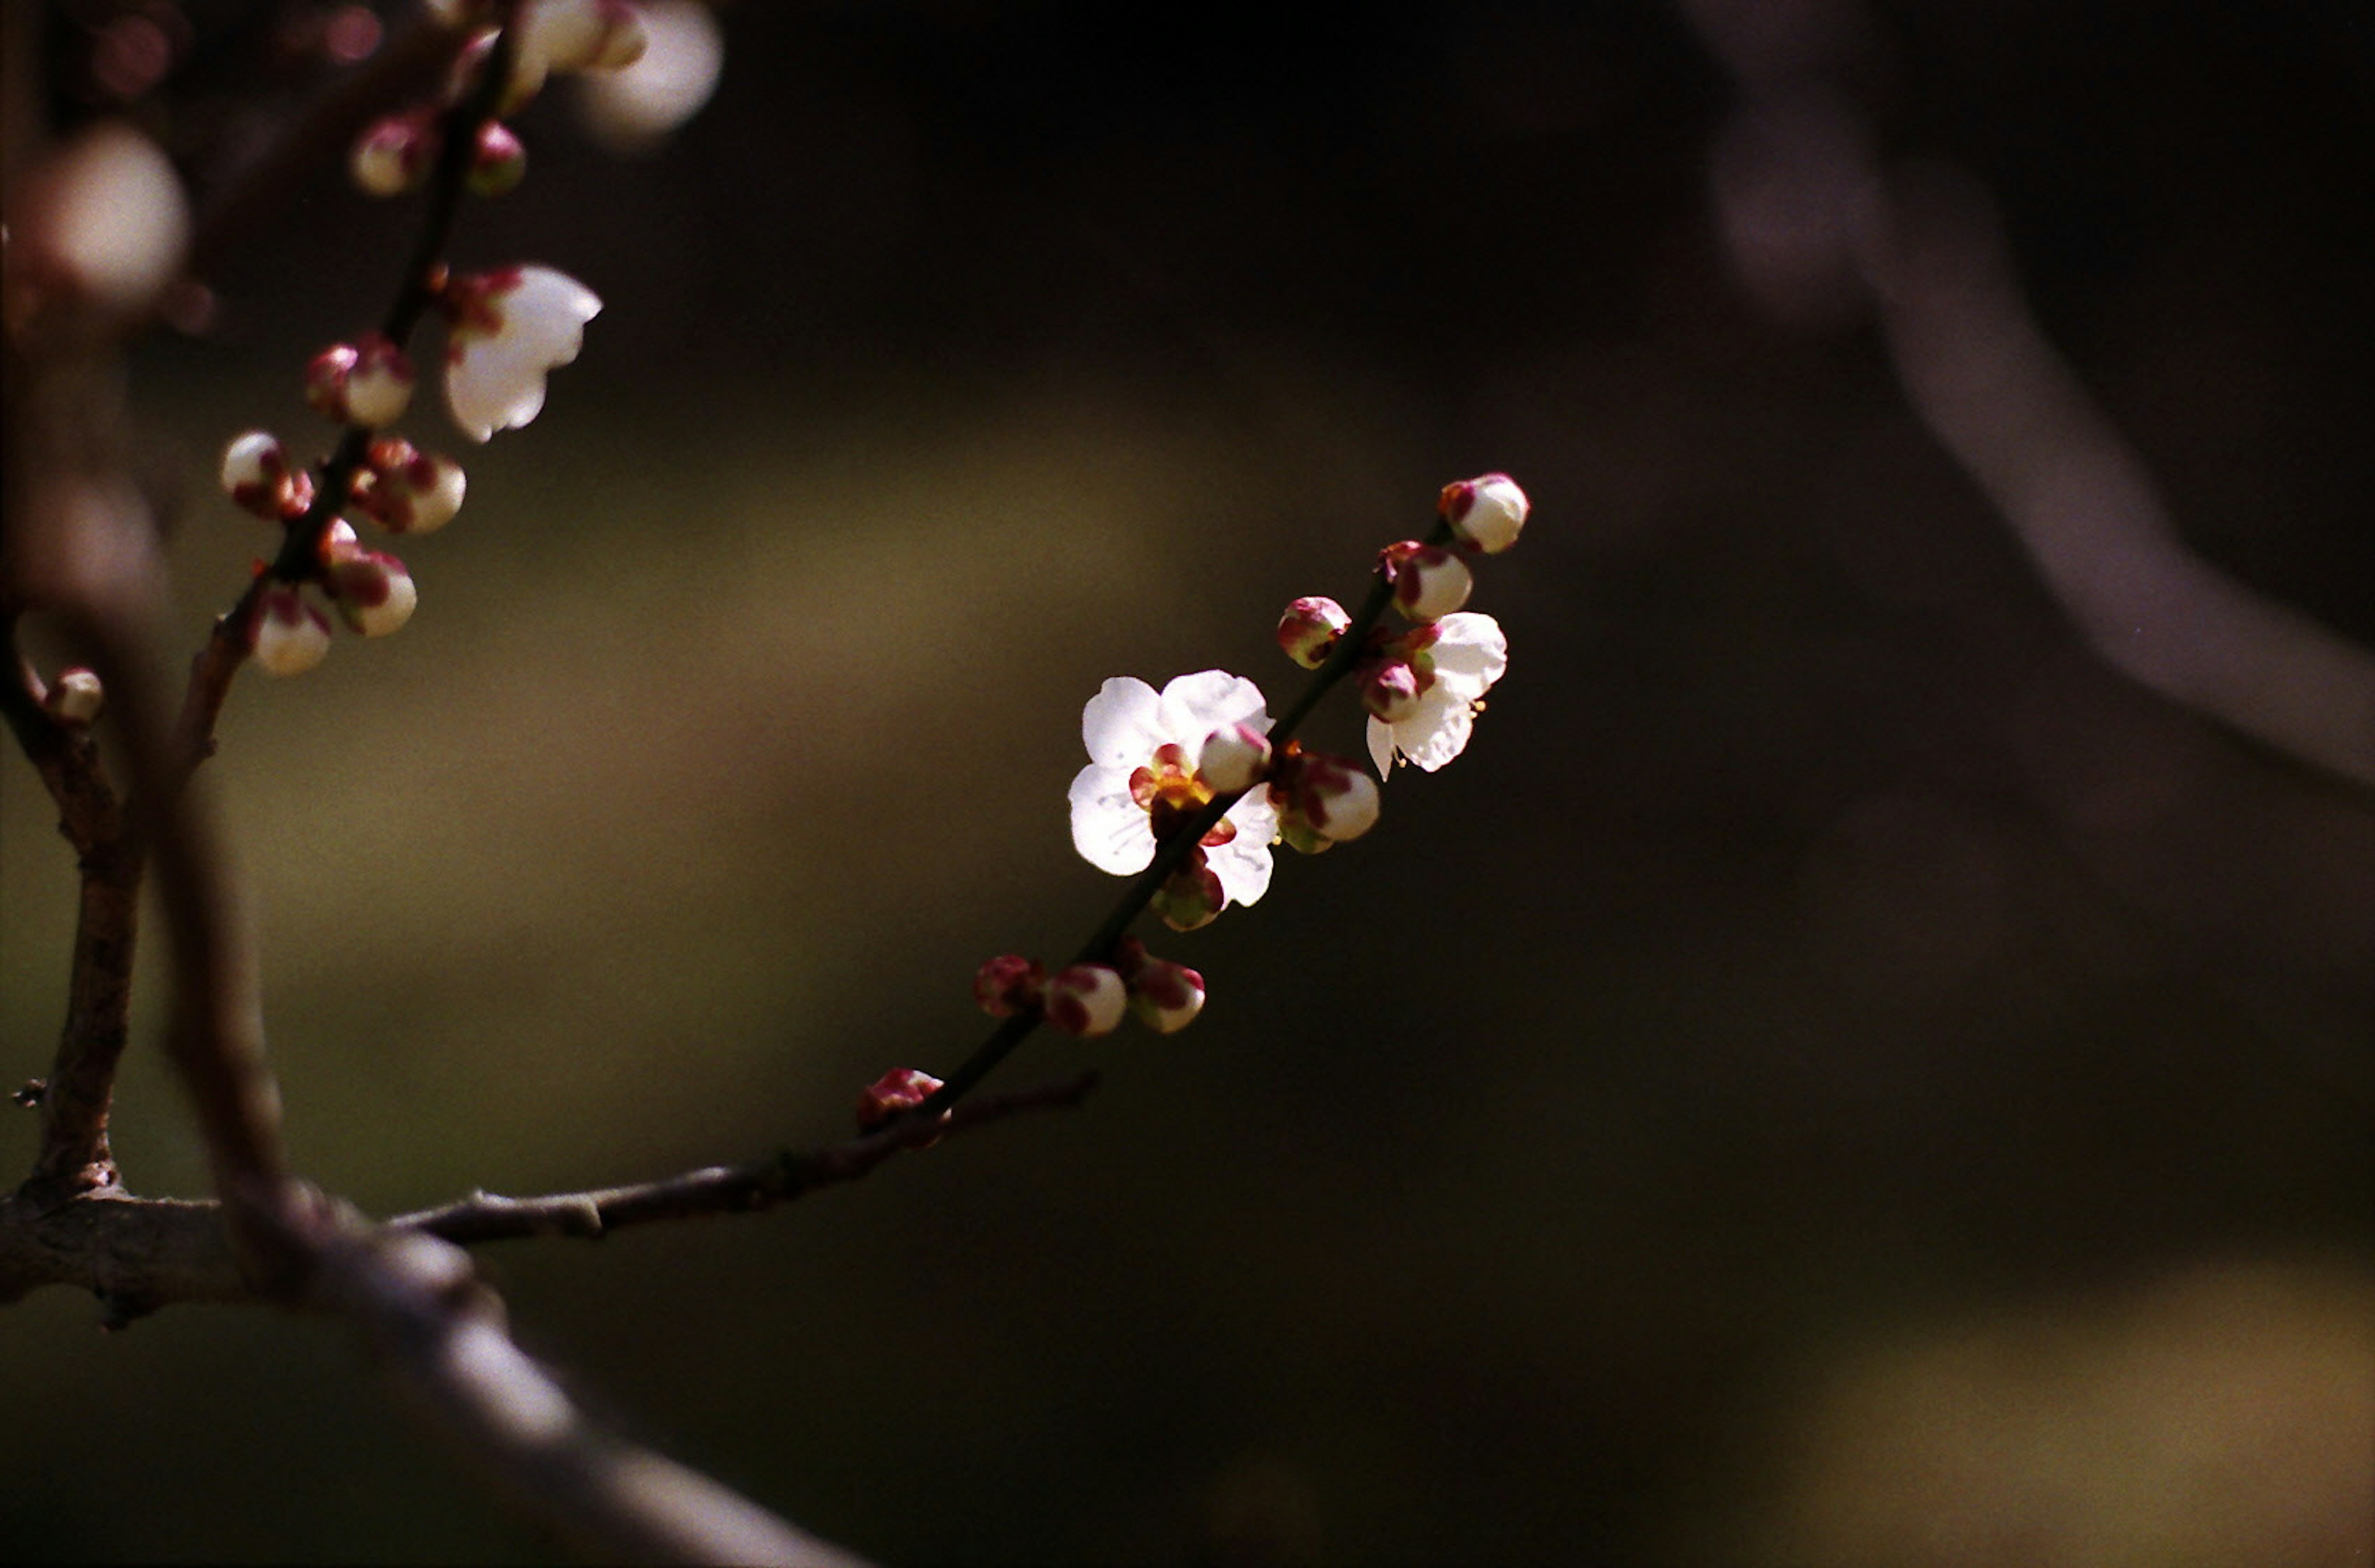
(137, 1255)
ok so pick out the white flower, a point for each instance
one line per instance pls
(510, 328)
(1467, 655)
(1143, 751)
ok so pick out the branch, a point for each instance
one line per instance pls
(74, 1099)
(1809, 208)
(439, 1334)
(719, 1190)
(138, 1255)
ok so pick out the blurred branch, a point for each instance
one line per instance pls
(81, 547)
(403, 70)
(1814, 217)
(74, 1099)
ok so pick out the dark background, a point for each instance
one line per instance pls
(1834, 1075)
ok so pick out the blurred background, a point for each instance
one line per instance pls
(1835, 1075)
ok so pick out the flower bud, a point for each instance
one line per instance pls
(1166, 997)
(1390, 689)
(288, 636)
(1487, 513)
(1189, 897)
(1234, 758)
(366, 382)
(1086, 999)
(1309, 629)
(498, 162)
(1338, 800)
(1429, 582)
(374, 592)
(76, 697)
(895, 1093)
(1008, 985)
(394, 154)
(407, 490)
(256, 476)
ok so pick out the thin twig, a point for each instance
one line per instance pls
(138, 1255)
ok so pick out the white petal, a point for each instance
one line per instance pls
(1121, 726)
(1438, 731)
(1196, 705)
(1110, 830)
(1381, 747)
(495, 381)
(1242, 864)
(1470, 654)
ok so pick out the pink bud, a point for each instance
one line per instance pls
(374, 592)
(498, 162)
(894, 1094)
(394, 154)
(1429, 582)
(1337, 801)
(1166, 997)
(256, 476)
(1391, 691)
(366, 382)
(1234, 758)
(1191, 896)
(1309, 629)
(289, 636)
(1008, 985)
(1086, 999)
(1487, 513)
(407, 490)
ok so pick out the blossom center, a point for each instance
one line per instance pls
(1170, 793)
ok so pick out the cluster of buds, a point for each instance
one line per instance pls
(506, 330)
(1091, 998)
(550, 37)
(1425, 684)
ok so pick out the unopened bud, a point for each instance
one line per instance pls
(1008, 985)
(1189, 897)
(256, 476)
(498, 162)
(1337, 800)
(1234, 758)
(290, 635)
(76, 697)
(1487, 511)
(1309, 629)
(374, 592)
(366, 382)
(1429, 582)
(407, 490)
(1086, 999)
(1391, 691)
(394, 154)
(1166, 997)
(895, 1093)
